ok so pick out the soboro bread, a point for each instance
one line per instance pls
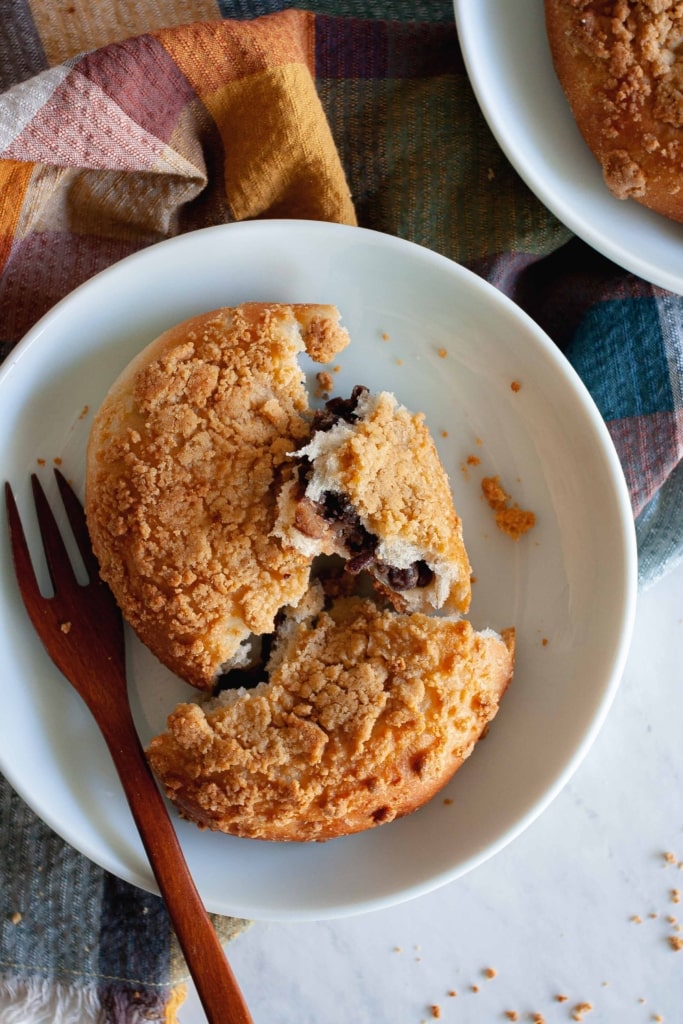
(619, 64)
(371, 488)
(184, 461)
(366, 714)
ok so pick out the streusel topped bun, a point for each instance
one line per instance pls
(184, 461)
(365, 715)
(619, 65)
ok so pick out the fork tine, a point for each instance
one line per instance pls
(56, 555)
(76, 516)
(23, 565)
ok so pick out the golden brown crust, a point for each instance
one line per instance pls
(619, 64)
(366, 715)
(183, 459)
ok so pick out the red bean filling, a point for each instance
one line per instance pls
(337, 510)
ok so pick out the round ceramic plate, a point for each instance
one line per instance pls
(508, 60)
(444, 342)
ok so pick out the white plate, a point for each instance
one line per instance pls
(571, 581)
(508, 60)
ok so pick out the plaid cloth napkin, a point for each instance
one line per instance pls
(123, 124)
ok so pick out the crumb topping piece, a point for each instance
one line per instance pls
(510, 519)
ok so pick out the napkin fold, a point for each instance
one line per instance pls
(145, 138)
(124, 124)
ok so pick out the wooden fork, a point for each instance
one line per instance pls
(82, 630)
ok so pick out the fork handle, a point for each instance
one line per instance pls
(216, 984)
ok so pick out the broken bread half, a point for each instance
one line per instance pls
(370, 487)
(185, 457)
(366, 713)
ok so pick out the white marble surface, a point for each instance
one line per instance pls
(578, 906)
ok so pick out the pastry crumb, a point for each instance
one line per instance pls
(16, 917)
(490, 972)
(516, 385)
(512, 1015)
(676, 942)
(561, 998)
(84, 412)
(325, 383)
(65, 627)
(675, 895)
(510, 519)
(436, 1010)
(581, 1009)
(442, 353)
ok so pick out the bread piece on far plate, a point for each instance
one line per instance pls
(620, 68)
(371, 487)
(184, 460)
(365, 716)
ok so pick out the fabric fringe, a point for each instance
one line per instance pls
(40, 1001)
